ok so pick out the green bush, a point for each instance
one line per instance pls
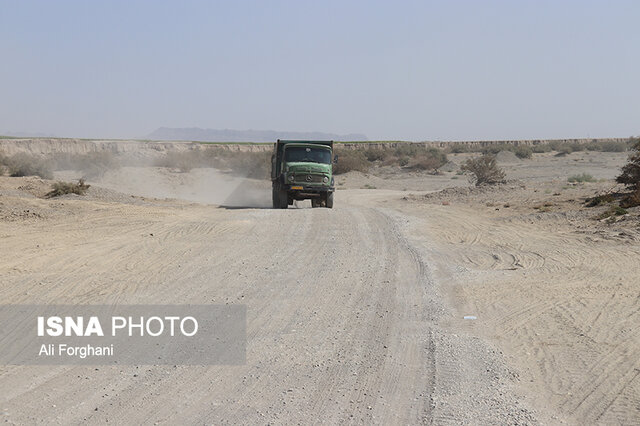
(584, 177)
(613, 211)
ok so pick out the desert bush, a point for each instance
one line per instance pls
(403, 161)
(583, 177)
(540, 148)
(22, 164)
(62, 188)
(407, 150)
(428, 159)
(613, 211)
(350, 160)
(457, 148)
(631, 200)
(561, 148)
(607, 146)
(484, 170)
(630, 175)
(523, 151)
(599, 200)
(375, 154)
(3, 165)
(494, 149)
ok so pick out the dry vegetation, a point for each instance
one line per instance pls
(23, 164)
(522, 151)
(408, 156)
(484, 170)
(62, 188)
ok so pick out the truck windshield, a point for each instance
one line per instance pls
(306, 154)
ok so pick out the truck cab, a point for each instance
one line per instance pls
(302, 170)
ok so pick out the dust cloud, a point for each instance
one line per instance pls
(136, 175)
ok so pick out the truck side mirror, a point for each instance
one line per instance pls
(335, 160)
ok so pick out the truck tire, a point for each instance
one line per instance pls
(279, 198)
(329, 200)
(284, 199)
(275, 197)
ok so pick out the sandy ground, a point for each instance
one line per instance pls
(355, 314)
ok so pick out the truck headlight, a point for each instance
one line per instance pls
(291, 178)
(325, 179)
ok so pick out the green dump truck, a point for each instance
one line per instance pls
(302, 170)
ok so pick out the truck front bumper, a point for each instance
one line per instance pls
(309, 188)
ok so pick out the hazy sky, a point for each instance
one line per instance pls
(418, 70)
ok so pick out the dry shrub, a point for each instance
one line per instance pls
(564, 148)
(541, 147)
(3, 165)
(581, 178)
(484, 170)
(22, 164)
(610, 146)
(350, 160)
(457, 148)
(523, 152)
(494, 149)
(599, 200)
(630, 175)
(613, 211)
(430, 159)
(62, 188)
(631, 200)
(373, 154)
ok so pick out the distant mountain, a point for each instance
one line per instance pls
(228, 135)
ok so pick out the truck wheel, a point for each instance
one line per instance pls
(329, 200)
(275, 198)
(283, 197)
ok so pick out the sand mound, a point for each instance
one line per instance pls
(507, 157)
(450, 166)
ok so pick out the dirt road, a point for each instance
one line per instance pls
(344, 318)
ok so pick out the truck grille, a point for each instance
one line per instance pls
(308, 178)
